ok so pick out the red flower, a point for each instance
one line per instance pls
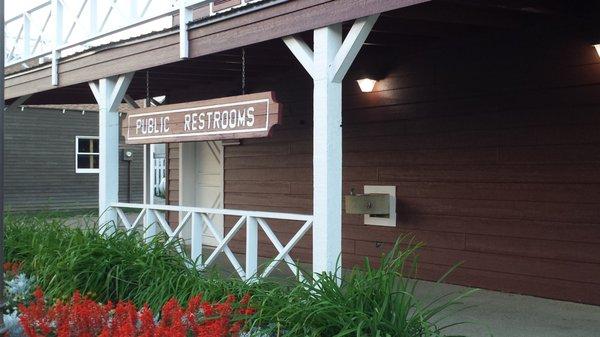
(12, 268)
(83, 317)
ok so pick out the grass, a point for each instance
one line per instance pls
(370, 301)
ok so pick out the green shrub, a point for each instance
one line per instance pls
(108, 267)
(370, 301)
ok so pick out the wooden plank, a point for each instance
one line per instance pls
(521, 265)
(558, 250)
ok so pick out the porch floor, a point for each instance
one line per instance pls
(500, 314)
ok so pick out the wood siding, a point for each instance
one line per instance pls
(40, 162)
(493, 145)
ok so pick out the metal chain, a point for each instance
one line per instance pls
(243, 71)
(148, 102)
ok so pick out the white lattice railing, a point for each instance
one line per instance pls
(160, 175)
(56, 28)
(199, 219)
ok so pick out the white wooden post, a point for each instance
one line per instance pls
(109, 93)
(150, 225)
(328, 65)
(251, 249)
(187, 192)
(327, 152)
(185, 17)
(57, 14)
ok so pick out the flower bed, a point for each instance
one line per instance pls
(82, 317)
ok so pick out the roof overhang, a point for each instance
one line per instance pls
(273, 20)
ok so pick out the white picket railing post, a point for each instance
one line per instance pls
(150, 225)
(251, 248)
(197, 238)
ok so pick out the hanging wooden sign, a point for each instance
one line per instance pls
(237, 117)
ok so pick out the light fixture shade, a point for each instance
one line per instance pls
(597, 46)
(366, 84)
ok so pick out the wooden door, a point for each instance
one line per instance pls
(209, 182)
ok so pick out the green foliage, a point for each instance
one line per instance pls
(370, 301)
(108, 267)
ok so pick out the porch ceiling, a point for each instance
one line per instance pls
(399, 32)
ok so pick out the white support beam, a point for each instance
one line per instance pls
(327, 153)
(109, 93)
(120, 87)
(352, 43)
(328, 65)
(302, 52)
(185, 17)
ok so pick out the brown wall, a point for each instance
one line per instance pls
(494, 146)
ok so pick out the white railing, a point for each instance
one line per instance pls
(199, 219)
(160, 173)
(57, 28)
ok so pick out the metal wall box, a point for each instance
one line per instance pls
(389, 218)
(374, 203)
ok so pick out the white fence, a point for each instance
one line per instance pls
(199, 220)
(57, 28)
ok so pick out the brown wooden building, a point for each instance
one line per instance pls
(485, 118)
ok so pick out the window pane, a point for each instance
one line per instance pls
(95, 145)
(84, 145)
(83, 161)
(95, 160)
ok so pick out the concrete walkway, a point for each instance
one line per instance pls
(507, 315)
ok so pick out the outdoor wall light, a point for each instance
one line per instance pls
(597, 46)
(366, 84)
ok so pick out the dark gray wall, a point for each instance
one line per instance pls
(40, 162)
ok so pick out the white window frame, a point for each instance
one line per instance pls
(77, 153)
